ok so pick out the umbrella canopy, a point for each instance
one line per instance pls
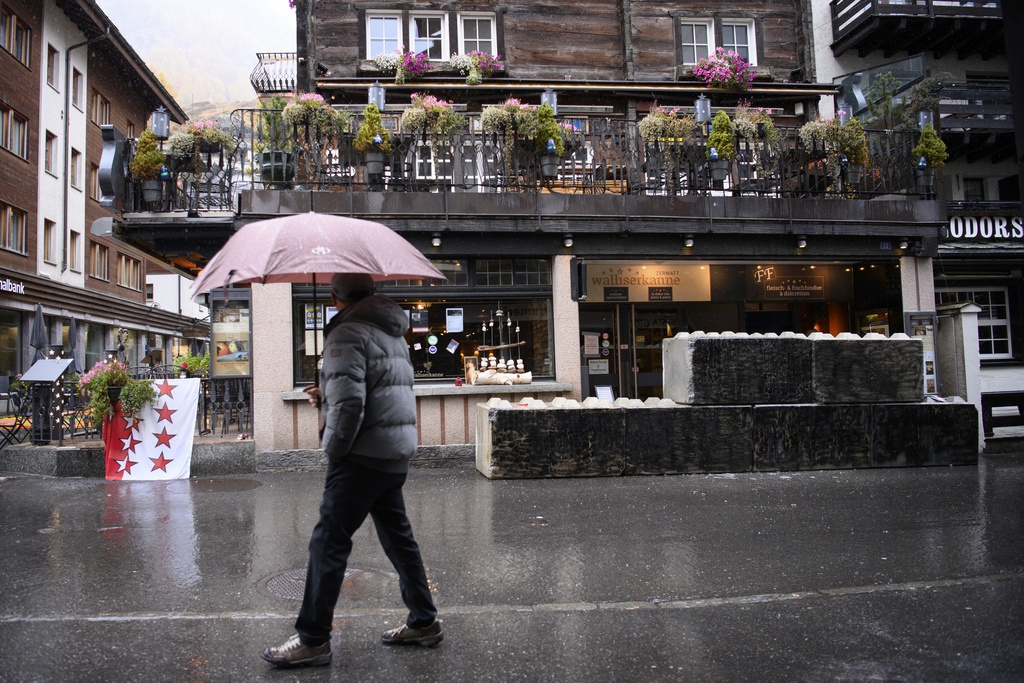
(39, 338)
(311, 247)
(76, 366)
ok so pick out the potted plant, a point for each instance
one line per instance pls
(725, 69)
(721, 146)
(476, 66)
(273, 145)
(146, 164)
(193, 365)
(403, 64)
(108, 383)
(548, 141)
(853, 149)
(373, 140)
(755, 125)
(314, 118)
(182, 146)
(820, 139)
(931, 154)
(436, 117)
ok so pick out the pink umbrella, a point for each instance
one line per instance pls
(311, 247)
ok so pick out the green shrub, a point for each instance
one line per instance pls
(931, 147)
(148, 160)
(721, 138)
(371, 127)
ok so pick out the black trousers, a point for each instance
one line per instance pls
(350, 494)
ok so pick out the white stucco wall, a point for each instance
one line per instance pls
(171, 293)
(566, 314)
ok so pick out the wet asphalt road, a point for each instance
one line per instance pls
(868, 575)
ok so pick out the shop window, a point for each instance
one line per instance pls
(10, 348)
(494, 272)
(993, 321)
(457, 272)
(532, 272)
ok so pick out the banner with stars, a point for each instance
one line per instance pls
(156, 443)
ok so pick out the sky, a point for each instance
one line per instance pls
(205, 49)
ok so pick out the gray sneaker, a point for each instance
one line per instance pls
(293, 653)
(428, 636)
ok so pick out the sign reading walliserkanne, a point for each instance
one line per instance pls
(640, 281)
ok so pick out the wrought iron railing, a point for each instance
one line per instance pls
(275, 72)
(201, 183)
(603, 156)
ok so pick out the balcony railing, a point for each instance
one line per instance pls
(603, 156)
(200, 184)
(917, 26)
(275, 73)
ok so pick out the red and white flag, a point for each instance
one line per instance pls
(156, 443)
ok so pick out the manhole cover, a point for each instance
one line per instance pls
(358, 583)
(213, 485)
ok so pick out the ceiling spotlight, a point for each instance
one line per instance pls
(904, 244)
(801, 242)
(567, 240)
(688, 242)
(436, 241)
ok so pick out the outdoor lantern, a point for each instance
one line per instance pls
(377, 95)
(844, 161)
(801, 242)
(567, 240)
(904, 244)
(924, 118)
(161, 123)
(688, 242)
(702, 105)
(436, 239)
(713, 154)
(845, 114)
(922, 163)
(549, 96)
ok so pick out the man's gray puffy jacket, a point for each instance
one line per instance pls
(367, 380)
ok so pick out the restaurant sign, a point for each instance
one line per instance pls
(985, 227)
(647, 281)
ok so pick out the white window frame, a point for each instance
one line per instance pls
(390, 16)
(53, 67)
(13, 224)
(476, 16)
(751, 36)
(984, 318)
(129, 272)
(708, 25)
(75, 169)
(99, 262)
(74, 258)
(445, 54)
(49, 241)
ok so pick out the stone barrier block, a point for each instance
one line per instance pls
(811, 437)
(872, 369)
(688, 439)
(519, 443)
(737, 369)
(919, 434)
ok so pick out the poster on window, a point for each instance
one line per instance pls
(921, 325)
(231, 335)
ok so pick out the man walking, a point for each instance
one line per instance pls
(369, 433)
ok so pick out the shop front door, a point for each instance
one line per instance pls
(622, 346)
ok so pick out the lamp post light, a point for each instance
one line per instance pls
(702, 107)
(549, 96)
(376, 95)
(925, 118)
(161, 123)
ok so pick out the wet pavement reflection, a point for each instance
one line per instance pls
(826, 575)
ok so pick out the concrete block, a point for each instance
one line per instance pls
(521, 444)
(811, 437)
(737, 369)
(688, 439)
(217, 459)
(924, 434)
(872, 369)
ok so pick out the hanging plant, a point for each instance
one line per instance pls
(436, 117)
(667, 125)
(476, 65)
(725, 69)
